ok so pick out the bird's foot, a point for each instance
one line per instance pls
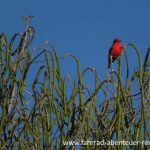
(112, 70)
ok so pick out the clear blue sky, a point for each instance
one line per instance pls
(84, 28)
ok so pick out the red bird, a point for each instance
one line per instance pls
(114, 51)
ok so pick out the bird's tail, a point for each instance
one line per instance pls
(108, 65)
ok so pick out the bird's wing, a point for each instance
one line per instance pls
(109, 61)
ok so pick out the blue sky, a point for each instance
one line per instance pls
(83, 28)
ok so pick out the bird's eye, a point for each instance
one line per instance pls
(117, 40)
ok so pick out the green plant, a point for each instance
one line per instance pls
(55, 117)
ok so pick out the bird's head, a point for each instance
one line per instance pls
(117, 40)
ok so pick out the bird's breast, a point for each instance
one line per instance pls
(116, 51)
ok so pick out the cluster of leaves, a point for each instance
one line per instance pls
(56, 117)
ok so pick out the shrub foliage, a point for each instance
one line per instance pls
(45, 115)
